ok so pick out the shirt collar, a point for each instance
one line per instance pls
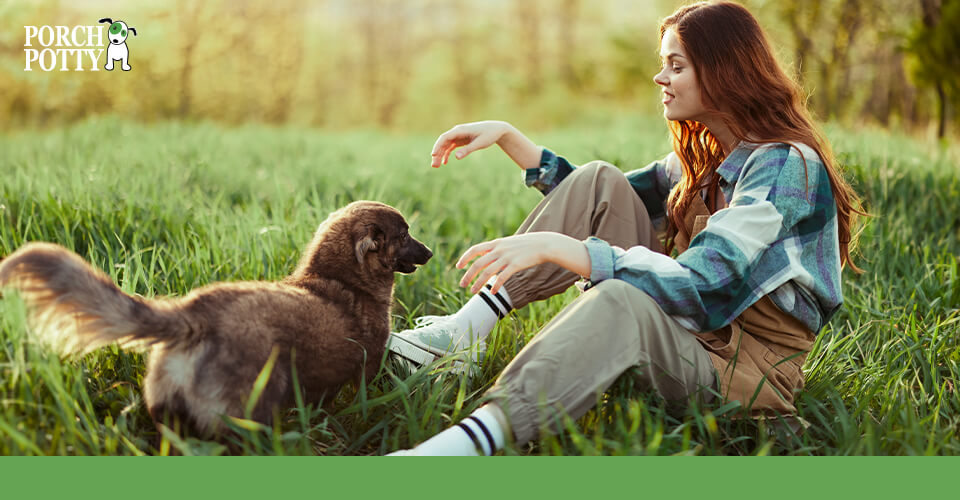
(730, 169)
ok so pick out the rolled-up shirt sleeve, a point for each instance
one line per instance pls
(549, 173)
(653, 183)
(602, 259)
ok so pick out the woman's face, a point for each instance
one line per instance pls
(681, 93)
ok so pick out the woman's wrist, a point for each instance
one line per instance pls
(519, 148)
(568, 253)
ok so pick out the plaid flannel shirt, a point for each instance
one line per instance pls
(777, 236)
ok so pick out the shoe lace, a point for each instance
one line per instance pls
(442, 322)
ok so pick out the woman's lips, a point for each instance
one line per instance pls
(667, 98)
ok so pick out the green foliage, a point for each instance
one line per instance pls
(174, 206)
(389, 63)
(936, 50)
(410, 64)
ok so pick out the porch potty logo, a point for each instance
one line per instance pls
(76, 49)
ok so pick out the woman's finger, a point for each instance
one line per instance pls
(478, 265)
(490, 270)
(502, 277)
(468, 141)
(472, 145)
(449, 149)
(438, 145)
(474, 251)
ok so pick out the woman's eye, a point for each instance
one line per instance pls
(677, 69)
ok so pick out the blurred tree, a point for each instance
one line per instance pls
(568, 14)
(891, 94)
(270, 64)
(189, 23)
(631, 70)
(529, 18)
(835, 73)
(934, 44)
(840, 26)
(848, 56)
(802, 17)
(467, 64)
(414, 63)
(389, 46)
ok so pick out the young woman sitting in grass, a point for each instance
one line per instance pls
(754, 206)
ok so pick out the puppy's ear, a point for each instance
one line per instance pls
(106, 20)
(132, 30)
(366, 244)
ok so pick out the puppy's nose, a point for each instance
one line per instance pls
(425, 254)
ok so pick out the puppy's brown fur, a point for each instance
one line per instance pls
(331, 317)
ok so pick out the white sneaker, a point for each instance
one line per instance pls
(435, 337)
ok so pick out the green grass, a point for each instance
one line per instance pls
(166, 208)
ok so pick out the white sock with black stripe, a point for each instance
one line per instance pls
(481, 313)
(479, 434)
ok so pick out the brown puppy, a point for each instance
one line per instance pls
(329, 319)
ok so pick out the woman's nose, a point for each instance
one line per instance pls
(660, 79)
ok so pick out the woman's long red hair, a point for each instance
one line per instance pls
(742, 84)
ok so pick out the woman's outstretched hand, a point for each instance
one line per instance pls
(507, 256)
(470, 137)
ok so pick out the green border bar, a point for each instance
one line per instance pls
(809, 478)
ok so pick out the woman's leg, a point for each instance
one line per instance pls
(610, 328)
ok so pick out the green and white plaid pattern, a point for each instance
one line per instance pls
(778, 236)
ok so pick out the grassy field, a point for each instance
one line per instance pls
(169, 207)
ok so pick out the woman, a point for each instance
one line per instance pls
(754, 206)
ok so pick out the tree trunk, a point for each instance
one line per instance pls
(528, 15)
(188, 24)
(567, 34)
(931, 17)
(942, 111)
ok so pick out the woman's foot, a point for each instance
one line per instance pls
(434, 337)
(482, 433)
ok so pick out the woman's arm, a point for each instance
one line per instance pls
(505, 257)
(479, 135)
(519, 148)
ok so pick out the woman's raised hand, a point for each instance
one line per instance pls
(469, 137)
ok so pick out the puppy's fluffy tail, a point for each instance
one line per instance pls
(78, 308)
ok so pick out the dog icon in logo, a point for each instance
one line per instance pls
(117, 50)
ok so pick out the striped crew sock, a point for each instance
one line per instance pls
(481, 313)
(480, 434)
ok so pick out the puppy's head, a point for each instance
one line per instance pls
(381, 239)
(117, 32)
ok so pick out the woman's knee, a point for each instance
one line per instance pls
(621, 291)
(599, 169)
